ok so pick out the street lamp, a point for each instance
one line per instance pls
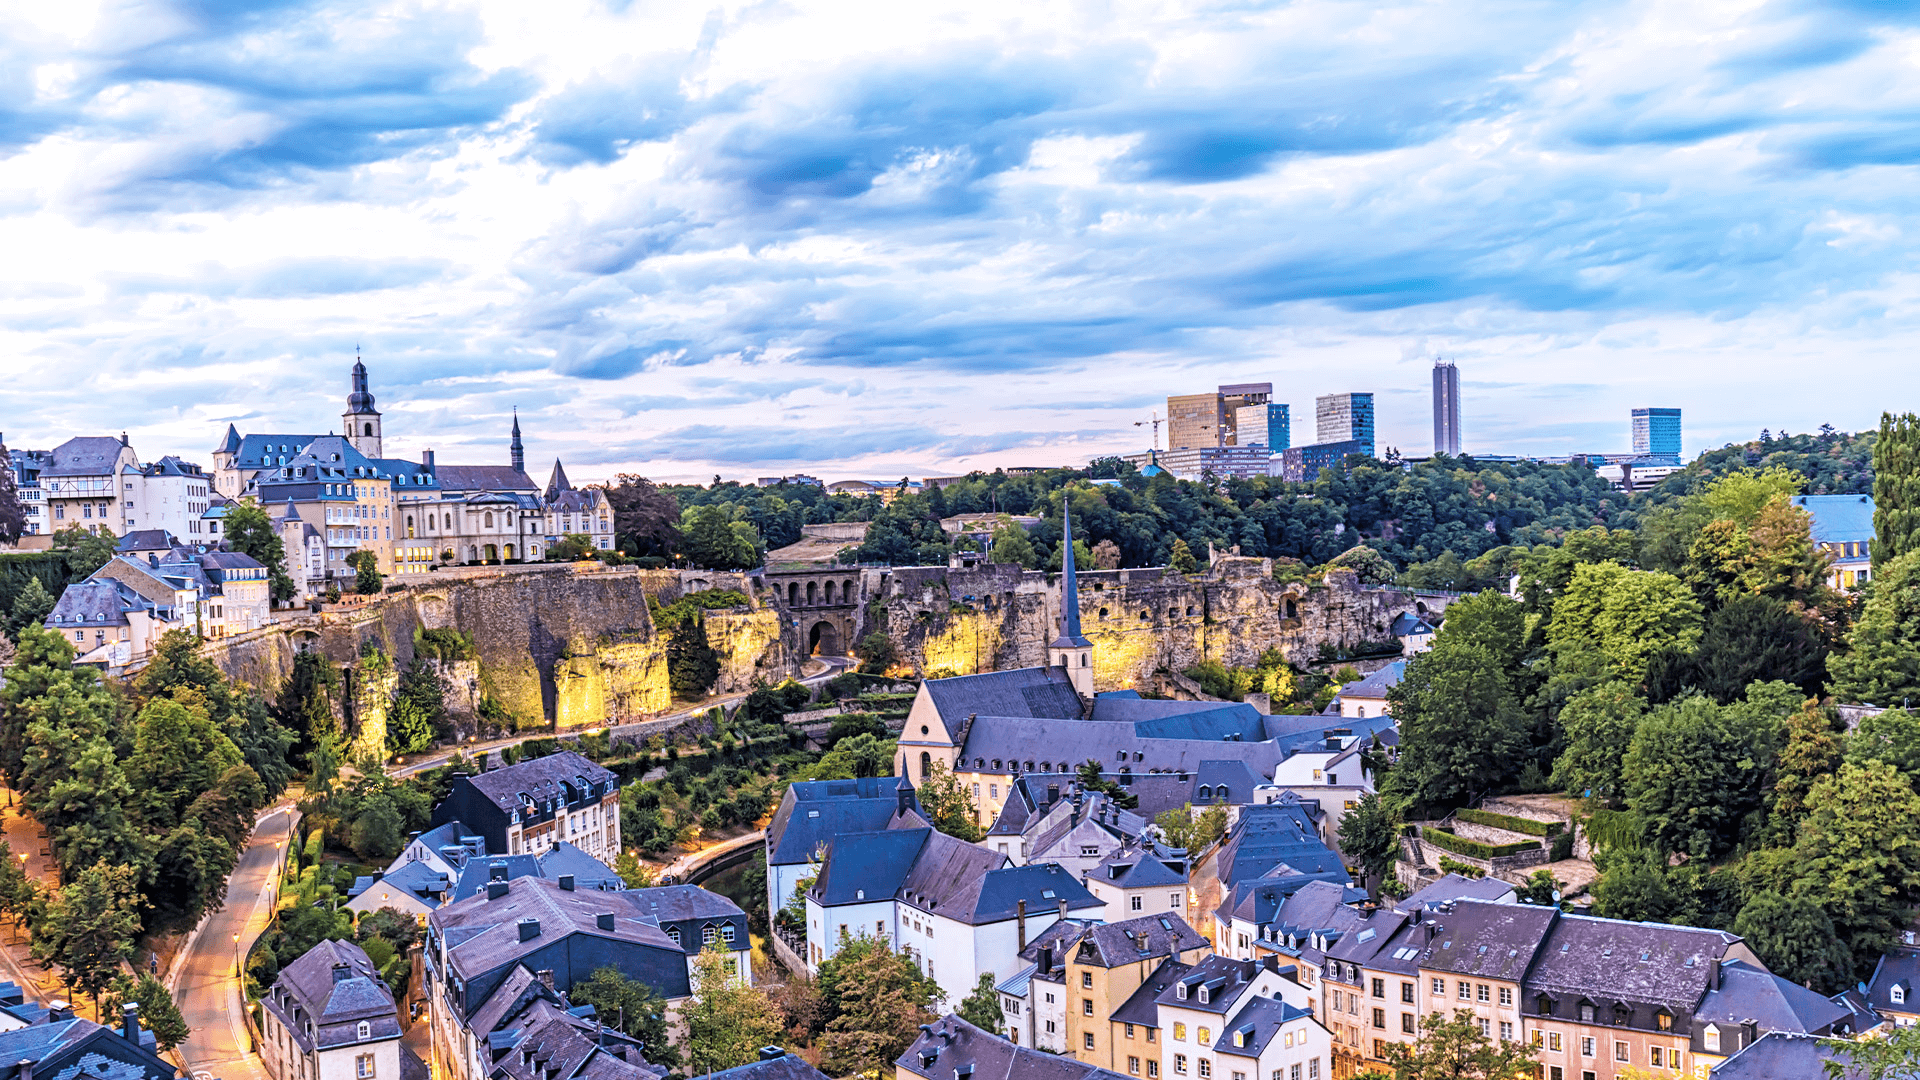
(236, 956)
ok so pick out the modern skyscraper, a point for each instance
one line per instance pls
(1446, 408)
(1656, 433)
(1206, 420)
(1345, 418)
(1269, 425)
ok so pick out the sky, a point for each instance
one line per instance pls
(890, 239)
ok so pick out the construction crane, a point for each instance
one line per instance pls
(1156, 422)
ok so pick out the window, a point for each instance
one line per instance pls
(1486, 1028)
(1153, 1068)
(1206, 1037)
(1133, 1064)
(1710, 1038)
(1088, 1037)
(1379, 988)
(1657, 1057)
(1180, 1032)
(1553, 1042)
(1050, 1028)
(363, 1066)
(1586, 1012)
(1174, 899)
(1086, 1006)
(707, 934)
(1151, 1037)
(1506, 1031)
(726, 933)
(1620, 1052)
(1506, 995)
(1205, 1067)
(1135, 903)
(1129, 1031)
(1313, 1069)
(1180, 1064)
(1406, 992)
(1466, 990)
(363, 1031)
(1380, 1019)
(1439, 988)
(1406, 1023)
(1086, 979)
(1480, 993)
(1663, 1020)
(1586, 1046)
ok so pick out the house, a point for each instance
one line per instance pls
(81, 485)
(415, 889)
(952, 1049)
(1743, 1000)
(1274, 835)
(957, 910)
(1270, 1036)
(537, 804)
(329, 1016)
(774, 1064)
(577, 511)
(1370, 989)
(530, 1031)
(1334, 774)
(1451, 886)
(1780, 1056)
(1414, 632)
(813, 812)
(63, 1047)
(697, 920)
(1891, 991)
(1077, 832)
(419, 887)
(1474, 958)
(1842, 527)
(1368, 697)
(1288, 914)
(1204, 1006)
(1083, 971)
(1141, 877)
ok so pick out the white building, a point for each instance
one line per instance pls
(329, 1016)
(1206, 1014)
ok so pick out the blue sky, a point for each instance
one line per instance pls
(885, 239)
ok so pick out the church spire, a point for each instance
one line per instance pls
(519, 452)
(1071, 650)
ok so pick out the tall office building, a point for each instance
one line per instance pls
(1341, 418)
(1446, 408)
(1269, 425)
(1656, 433)
(1206, 420)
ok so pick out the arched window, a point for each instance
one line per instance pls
(813, 592)
(364, 1031)
(826, 593)
(1086, 659)
(489, 521)
(926, 765)
(846, 590)
(449, 523)
(793, 593)
(409, 526)
(369, 429)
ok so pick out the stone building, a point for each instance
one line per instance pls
(532, 806)
(330, 1016)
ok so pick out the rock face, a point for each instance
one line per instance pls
(958, 621)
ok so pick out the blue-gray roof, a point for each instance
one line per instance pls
(1900, 966)
(869, 866)
(1140, 1007)
(1452, 886)
(1041, 885)
(475, 875)
(783, 1067)
(1747, 992)
(1043, 692)
(813, 812)
(1782, 1057)
(1838, 519)
(418, 880)
(1270, 835)
(1377, 684)
(1255, 1025)
(588, 872)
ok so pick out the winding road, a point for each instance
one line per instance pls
(205, 979)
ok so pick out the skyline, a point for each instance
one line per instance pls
(754, 240)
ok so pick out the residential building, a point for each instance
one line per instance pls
(1343, 418)
(774, 1064)
(956, 910)
(59, 1046)
(1288, 914)
(1205, 1006)
(1077, 832)
(814, 481)
(537, 804)
(26, 466)
(1269, 424)
(238, 459)
(1842, 526)
(330, 1016)
(1894, 989)
(583, 511)
(81, 485)
(343, 494)
(1370, 988)
(1656, 434)
(813, 812)
(530, 1031)
(1446, 408)
(1474, 958)
(115, 618)
(1783, 1056)
(1141, 878)
(1744, 1000)
(952, 1049)
(1368, 696)
(1082, 971)
(417, 887)
(169, 494)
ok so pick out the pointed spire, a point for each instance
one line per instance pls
(519, 452)
(230, 444)
(559, 483)
(1069, 583)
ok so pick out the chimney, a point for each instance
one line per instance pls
(130, 1022)
(604, 920)
(1020, 910)
(497, 871)
(529, 929)
(26, 1069)
(771, 1053)
(566, 882)
(545, 975)
(1713, 974)
(342, 972)
(1063, 909)
(496, 889)
(426, 459)
(1046, 959)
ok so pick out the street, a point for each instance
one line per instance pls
(204, 981)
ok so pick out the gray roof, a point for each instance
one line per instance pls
(1015, 740)
(1136, 866)
(1897, 966)
(96, 602)
(813, 812)
(1141, 1006)
(87, 455)
(1030, 693)
(1224, 977)
(950, 1046)
(1377, 684)
(1112, 945)
(1749, 992)
(1386, 949)
(1610, 959)
(147, 540)
(324, 996)
(1782, 1057)
(783, 1067)
(1452, 886)
(1492, 941)
(484, 478)
(541, 778)
(492, 936)
(1256, 1025)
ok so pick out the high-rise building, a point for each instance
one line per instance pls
(1341, 418)
(1656, 433)
(1269, 425)
(1203, 420)
(1446, 408)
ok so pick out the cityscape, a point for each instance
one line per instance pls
(1293, 541)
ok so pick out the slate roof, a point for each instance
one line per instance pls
(1749, 992)
(324, 995)
(1492, 941)
(1269, 835)
(492, 938)
(1096, 810)
(1136, 866)
(588, 872)
(1232, 776)
(813, 812)
(680, 903)
(1224, 977)
(1110, 945)
(1260, 1021)
(1899, 965)
(1388, 948)
(484, 478)
(1452, 886)
(784, 1067)
(231, 442)
(1377, 684)
(862, 868)
(1781, 1057)
(473, 877)
(147, 540)
(1838, 518)
(542, 778)
(1015, 740)
(950, 1046)
(1029, 693)
(1860, 1016)
(265, 451)
(1654, 963)
(95, 602)
(85, 455)
(416, 879)
(1140, 1006)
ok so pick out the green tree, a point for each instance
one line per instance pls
(876, 653)
(982, 1007)
(409, 728)
(728, 1020)
(1635, 888)
(1372, 567)
(692, 665)
(1183, 828)
(634, 873)
(249, 530)
(379, 830)
(90, 927)
(326, 768)
(631, 1007)
(712, 538)
(178, 753)
(570, 547)
(1810, 750)
(859, 755)
(1370, 836)
(1181, 559)
(1858, 855)
(1753, 637)
(1461, 729)
(32, 606)
(1539, 889)
(645, 518)
(1599, 723)
(1896, 488)
(1896, 1056)
(17, 891)
(85, 552)
(366, 572)
(158, 1012)
(875, 999)
(1455, 1050)
(1882, 662)
(1091, 780)
(1010, 545)
(1698, 774)
(1627, 615)
(948, 804)
(1796, 940)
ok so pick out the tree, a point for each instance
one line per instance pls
(31, 607)
(1635, 888)
(1796, 940)
(692, 665)
(1372, 567)
(633, 873)
(1106, 555)
(711, 537)
(1370, 836)
(1181, 559)
(366, 572)
(1461, 729)
(875, 1000)
(409, 728)
(1540, 889)
(1455, 1050)
(1893, 1057)
(1756, 637)
(570, 547)
(17, 890)
(1698, 774)
(1599, 723)
(13, 512)
(1185, 829)
(1092, 780)
(250, 531)
(158, 1012)
(1896, 488)
(1882, 663)
(1010, 545)
(1858, 855)
(631, 1007)
(1811, 750)
(1626, 615)
(90, 927)
(326, 768)
(982, 1007)
(728, 1020)
(854, 756)
(948, 804)
(876, 653)
(85, 552)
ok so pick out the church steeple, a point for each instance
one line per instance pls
(362, 420)
(1071, 650)
(519, 452)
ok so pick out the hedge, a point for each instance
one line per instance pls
(1460, 845)
(1510, 823)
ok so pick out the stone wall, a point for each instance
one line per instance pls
(959, 621)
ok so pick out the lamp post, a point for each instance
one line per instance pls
(236, 956)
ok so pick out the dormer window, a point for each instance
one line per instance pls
(364, 1031)
(1710, 1039)
(1180, 991)
(1205, 996)
(1897, 994)
(673, 934)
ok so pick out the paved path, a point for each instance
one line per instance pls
(680, 867)
(204, 978)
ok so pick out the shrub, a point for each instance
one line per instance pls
(1511, 823)
(1460, 845)
(1455, 866)
(1562, 847)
